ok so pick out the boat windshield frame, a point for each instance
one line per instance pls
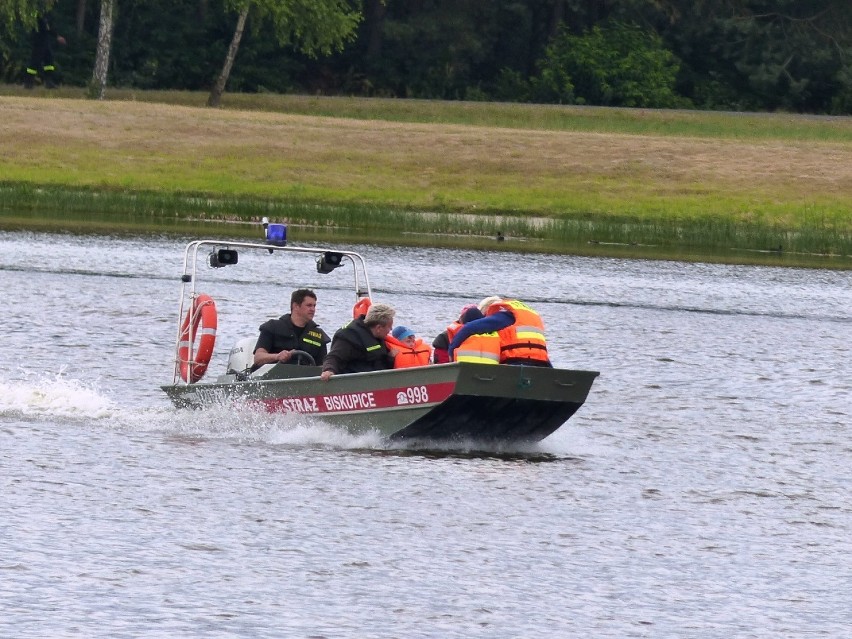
(197, 252)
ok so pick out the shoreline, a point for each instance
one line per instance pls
(247, 229)
(612, 183)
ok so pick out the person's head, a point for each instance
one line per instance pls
(488, 301)
(303, 306)
(464, 309)
(405, 335)
(471, 314)
(379, 319)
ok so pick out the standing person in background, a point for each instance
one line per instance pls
(520, 328)
(41, 56)
(360, 346)
(295, 331)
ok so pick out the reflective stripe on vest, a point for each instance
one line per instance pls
(479, 348)
(525, 338)
(529, 333)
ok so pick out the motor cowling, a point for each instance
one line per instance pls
(241, 356)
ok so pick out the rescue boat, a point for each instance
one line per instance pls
(455, 401)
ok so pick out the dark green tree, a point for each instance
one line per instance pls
(732, 54)
(757, 54)
(616, 65)
(311, 26)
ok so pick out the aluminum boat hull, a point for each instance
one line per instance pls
(438, 402)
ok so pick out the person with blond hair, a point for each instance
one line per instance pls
(519, 327)
(360, 347)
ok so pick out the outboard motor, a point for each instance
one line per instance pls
(241, 357)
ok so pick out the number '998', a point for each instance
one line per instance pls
(417, 394)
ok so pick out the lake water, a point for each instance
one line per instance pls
(703, 490)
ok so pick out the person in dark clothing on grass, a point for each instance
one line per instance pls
(41, 56)
(295, 331)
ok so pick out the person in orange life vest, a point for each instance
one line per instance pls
(442, 342)
(477, 348)
(520, 329)
(360, 346)
(412, 350)
(361, 307)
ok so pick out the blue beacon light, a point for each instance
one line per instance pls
(276, 234)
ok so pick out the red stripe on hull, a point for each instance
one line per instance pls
(363, 401)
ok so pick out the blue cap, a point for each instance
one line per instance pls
(401, 332)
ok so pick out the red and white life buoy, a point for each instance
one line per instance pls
(203, 313)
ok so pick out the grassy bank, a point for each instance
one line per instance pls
(732, 187)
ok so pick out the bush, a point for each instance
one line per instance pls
(616, 65)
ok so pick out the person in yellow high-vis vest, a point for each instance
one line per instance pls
(479, 348)
(442, 342)
(519, 327)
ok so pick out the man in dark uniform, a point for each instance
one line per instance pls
(360, 346)
(41, 57)
(295, 331)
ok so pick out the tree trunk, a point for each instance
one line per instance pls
(99, 75)
(219, 88)
(374, 17)
(80, 17)
(557, 16)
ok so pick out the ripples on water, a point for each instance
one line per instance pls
(702, 491)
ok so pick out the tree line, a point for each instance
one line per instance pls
(742, 55)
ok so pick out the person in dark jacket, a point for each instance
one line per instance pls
(360, 346)
(295, 331)
(41, 56)
(439, 348)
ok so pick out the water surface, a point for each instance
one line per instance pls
(702, 491)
